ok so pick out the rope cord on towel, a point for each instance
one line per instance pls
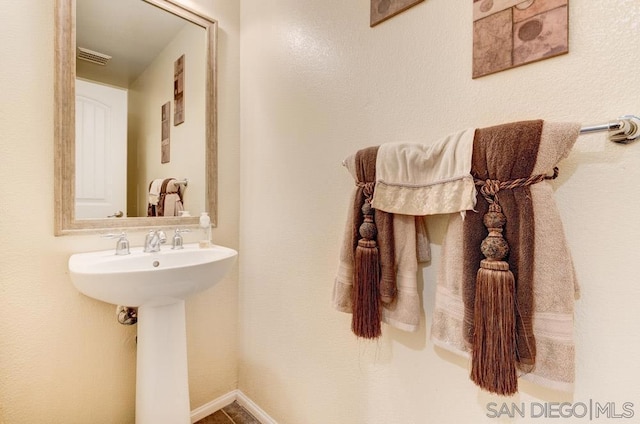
(367, 188)
(490, 188)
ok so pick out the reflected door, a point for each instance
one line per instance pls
(101, 151)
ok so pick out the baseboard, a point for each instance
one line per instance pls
(213, 406)
(254, 409)
(224, 400)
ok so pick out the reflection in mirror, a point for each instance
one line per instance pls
(121, 86)
(124, 129)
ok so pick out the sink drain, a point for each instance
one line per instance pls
(156, 264)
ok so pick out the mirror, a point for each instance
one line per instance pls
(146, 159)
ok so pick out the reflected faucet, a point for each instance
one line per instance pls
(153, 240)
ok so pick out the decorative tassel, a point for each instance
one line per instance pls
(493, 365)
(366, 282)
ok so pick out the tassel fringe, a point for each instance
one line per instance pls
(493, 365)
(366, 308)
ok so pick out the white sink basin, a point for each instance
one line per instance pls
(149, 278)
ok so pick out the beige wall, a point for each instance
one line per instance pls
(63, 357)
(317, 84)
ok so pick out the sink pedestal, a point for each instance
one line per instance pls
(162, 385)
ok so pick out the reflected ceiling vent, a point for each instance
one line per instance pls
(92, 56)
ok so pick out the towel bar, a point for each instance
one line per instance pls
(624, 131)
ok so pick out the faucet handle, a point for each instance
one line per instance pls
(177, 238)
(122, 245)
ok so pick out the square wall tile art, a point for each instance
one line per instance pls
(382, 10)
(510, 33)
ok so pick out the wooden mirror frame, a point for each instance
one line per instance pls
(64, 126)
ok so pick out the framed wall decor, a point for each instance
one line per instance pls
(165, 142)
(382, 10)
(510, 33)
(178, 90)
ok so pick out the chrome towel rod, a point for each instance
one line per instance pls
(624, 131)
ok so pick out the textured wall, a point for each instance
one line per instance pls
(317, 84)
(63, 357)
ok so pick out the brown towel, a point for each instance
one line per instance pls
(365, 162)
(504, 153)
(555, 281)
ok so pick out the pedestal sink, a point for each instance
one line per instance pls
(156, 283)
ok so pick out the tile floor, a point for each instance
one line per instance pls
(230, 414)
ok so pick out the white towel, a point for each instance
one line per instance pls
(154, 191)
(426, 179)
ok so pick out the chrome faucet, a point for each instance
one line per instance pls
(153, 240)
